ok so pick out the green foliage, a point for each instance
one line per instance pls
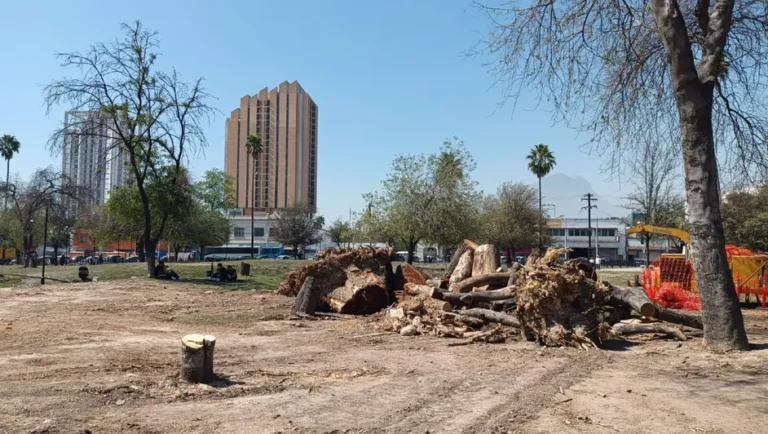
(217, 190)
(253, 145)
(9, 146)
(425, 197)
(745, 219)
(510, 218)
(298, 227)
(198, 227)
(340, 232)
(541, 160)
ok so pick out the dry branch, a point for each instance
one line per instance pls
(669, 331)
(486, 279)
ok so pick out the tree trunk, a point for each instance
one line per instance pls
(463, 268)
(197, 358)
(492, 316)
(540, 215)
(647, 250)
(150, 253)
(628, 329)
(485, 260)
(140, 250)
(687, 319)
(636, 298)
(7, 180)
(465, 246)
(411, 247)
(364, 292)
(466, 285)
(721, 313)
(307, 299)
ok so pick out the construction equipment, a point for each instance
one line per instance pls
(750, 272)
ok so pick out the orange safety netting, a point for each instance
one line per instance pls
(674, 296)
(731, 251)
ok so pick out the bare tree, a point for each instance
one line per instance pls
(45, 189)
(152, 117)
(654, 172)
(632, 70)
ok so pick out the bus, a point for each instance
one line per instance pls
(224, 253)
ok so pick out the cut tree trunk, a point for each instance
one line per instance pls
(363, 293)
(197, 358)
(465, 246)
(307, 299)
(466, 285)
(636, 298)
(628, 329)
(500, 305)
(680, 317)
(492, 316)
(463, 268)
(486, 260)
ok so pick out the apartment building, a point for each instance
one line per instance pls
(284, 175)
(92, 157)
(609, 239)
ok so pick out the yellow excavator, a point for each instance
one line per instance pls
(660, 230)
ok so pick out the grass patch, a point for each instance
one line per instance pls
(266, 274)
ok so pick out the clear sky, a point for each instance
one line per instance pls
(388, 78)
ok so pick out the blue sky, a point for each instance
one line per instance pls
(388, 78)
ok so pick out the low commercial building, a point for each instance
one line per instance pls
(609, 239)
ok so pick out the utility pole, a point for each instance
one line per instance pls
(589, 197)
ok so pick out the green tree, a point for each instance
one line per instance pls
(198, 227)
(298, 227)
(340, 232)
(681, 73)
(9, 146)
(745, 218)
(153, 117)
(541, 161)
(425, 198)
(510, 218)
(217, 190)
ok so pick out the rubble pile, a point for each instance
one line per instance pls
(547, 300)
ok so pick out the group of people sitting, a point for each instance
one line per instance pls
(223, 274)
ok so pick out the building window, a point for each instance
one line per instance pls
(557, 232)
(607, 232)
(578, 232)
(239, 232)
(258, 232)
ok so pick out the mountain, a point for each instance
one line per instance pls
(565, 192)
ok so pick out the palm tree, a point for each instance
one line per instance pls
(253, 146)
(9, 146)
(541, 161)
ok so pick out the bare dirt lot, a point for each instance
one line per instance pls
(103, 358)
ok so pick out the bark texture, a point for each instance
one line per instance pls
(307, 299)
(721, 313)
(466, 285)
(463, 268)
(486, 260)
(465, 246)
(197, 358)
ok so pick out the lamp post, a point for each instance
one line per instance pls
(45, 242)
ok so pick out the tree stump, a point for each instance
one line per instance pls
(245, 269)
(307, 299)
(465, 246)
(197, 358)
(486, 260)
(463, 268)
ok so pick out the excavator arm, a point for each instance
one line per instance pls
(672, 232)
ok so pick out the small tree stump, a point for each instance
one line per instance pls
(307, 300)
(197, 358)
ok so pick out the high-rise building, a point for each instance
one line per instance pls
(285, 174)
(92, 157)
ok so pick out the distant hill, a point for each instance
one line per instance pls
(565, 192)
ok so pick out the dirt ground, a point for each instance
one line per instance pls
(103, 358)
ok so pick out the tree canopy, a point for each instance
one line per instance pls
(426, 197)
(152, 117)
(217, 190)
(340, 232)
(298, 227)
(510, 218)
(745, 215)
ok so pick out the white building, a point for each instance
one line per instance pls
(609, 239)
(92, 156)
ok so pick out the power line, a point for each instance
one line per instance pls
(589, 197)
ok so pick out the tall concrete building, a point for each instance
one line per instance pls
(285, 174)
(92, 157)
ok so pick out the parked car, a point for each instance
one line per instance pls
(115, 259)
(132, 259)
(283, 257)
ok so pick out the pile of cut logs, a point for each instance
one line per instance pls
(547, 300)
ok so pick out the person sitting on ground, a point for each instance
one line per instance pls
(220, 275)
(163, 272)
(82, 273)
(231, 273)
